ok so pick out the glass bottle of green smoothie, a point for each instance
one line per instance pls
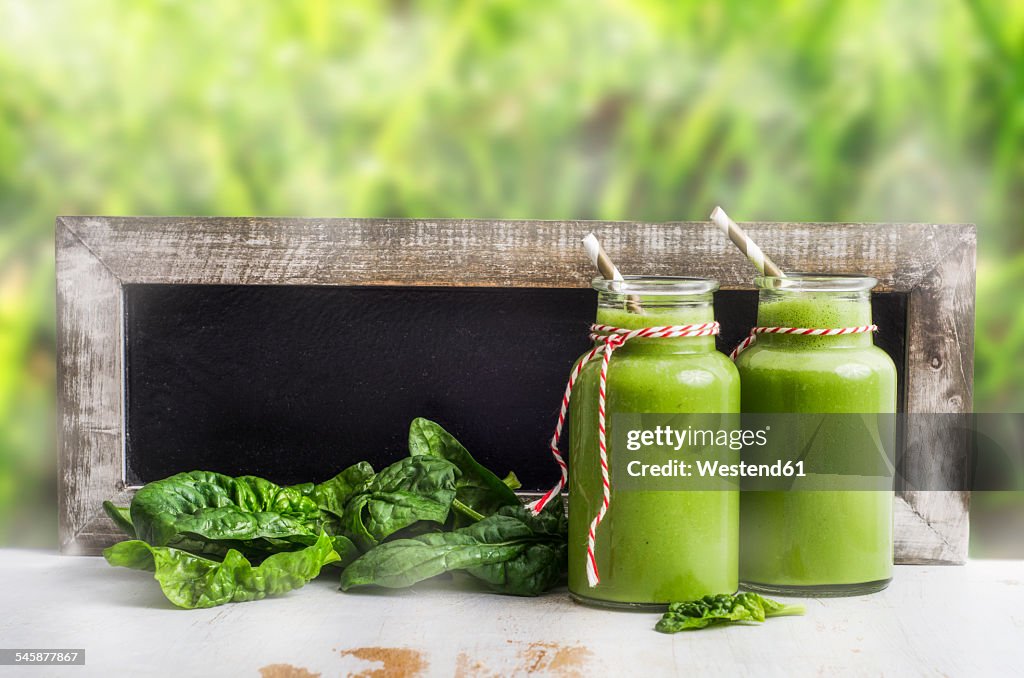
(822, 542)
(657, 546)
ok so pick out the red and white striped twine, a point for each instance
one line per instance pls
(607, 339)
(801, 331)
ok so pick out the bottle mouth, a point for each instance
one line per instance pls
(817, 282)
(655, 285)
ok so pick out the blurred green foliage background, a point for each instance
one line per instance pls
(836, 110)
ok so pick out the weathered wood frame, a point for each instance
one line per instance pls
(96, 256)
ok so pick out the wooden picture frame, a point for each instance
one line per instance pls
(934, 265)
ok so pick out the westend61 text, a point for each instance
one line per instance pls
(713, 469)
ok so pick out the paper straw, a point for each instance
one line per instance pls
(740, 238)
(600, 258)
(608, 270)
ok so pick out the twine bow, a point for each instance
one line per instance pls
(607, 339)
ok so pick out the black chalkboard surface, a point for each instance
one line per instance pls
(294, 383)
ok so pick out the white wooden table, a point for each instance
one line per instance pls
(935, 621)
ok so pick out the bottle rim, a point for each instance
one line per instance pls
(817, 282)
(655, 285)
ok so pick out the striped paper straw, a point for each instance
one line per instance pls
(740, 238)
(600, 258)
(608, 270)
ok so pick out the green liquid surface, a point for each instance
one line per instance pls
(653, 547)
(827, 539)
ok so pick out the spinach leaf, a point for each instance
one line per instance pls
(512, 481)
(347, 551)
(191, 581)
(544, 562)
(404, 562)
(723, 608)
(551, 522)
(773, 608)
(214, 507)
(121, 515)
(411, 490)
(531, 572)
(511, 551)
(478, 489)
(233, 523)
(332, 495)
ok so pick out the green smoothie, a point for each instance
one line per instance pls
(816, 542)
(653, 547)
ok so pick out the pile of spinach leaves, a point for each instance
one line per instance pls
(212, 539)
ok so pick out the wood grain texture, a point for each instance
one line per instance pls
(934, 264)
(487, 253)
(940, 379)
(89, 378)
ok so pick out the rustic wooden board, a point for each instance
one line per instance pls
(934, 264)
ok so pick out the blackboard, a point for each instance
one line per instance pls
(294, 383)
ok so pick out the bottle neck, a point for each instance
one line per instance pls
(814, 309)
(659, 312)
